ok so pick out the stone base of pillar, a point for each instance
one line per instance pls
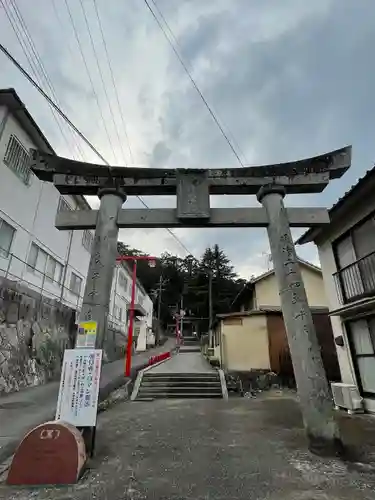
(52, 453)
(324, 447)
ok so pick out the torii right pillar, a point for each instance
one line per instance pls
(312, 385)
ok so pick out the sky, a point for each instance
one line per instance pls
(287, 80)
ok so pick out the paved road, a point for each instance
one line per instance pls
(23, 410)
(207, 449)
(190, 362)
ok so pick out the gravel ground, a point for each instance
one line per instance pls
(201, 449)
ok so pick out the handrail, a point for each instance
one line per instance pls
(356, 280)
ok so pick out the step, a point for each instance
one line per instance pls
(179, 389)
(176, 395)
(181, 383)
(206, 375)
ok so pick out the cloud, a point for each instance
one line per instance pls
(286, 80)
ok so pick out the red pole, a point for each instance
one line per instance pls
(131, 322)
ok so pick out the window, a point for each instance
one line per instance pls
(75, 284)
(63, 205)
(140, 298)
(50, 269)
(39, 260)
(58, 272)
(6, 237)
(362, 337)
(123, 281)
(17, 159)
(355, 255)
(87, 240)
(117, 312)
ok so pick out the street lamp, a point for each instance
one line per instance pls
(152, 263)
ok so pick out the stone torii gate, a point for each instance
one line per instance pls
(193, 188)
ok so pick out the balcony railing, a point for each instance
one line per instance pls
(357, 280)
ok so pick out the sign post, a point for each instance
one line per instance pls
(77, 403)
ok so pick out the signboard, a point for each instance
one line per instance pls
(79, 387)
(86, 334)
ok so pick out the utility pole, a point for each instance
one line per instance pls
(313, 391)
(210, 313)
(181, 314)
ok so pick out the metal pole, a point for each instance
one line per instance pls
(313, 391)
(95, 305)
(131, 322)
(65, 271)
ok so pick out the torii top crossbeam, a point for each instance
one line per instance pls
(305, 176)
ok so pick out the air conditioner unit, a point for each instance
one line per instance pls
(347, 396)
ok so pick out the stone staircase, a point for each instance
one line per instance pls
(190, 344)
(179, 385)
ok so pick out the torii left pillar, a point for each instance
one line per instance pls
(95, 306)
(96, 299)
(56, 452)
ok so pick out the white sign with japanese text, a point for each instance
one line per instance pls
(77, 403)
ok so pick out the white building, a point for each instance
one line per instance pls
(347, 255)
(32, 250)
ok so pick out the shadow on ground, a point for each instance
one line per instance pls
(201, 449)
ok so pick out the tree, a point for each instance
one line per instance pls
(189, 277)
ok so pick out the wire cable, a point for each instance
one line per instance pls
(90, 78)
(43, 74)
(33, 67)
(113, 81)
(67, 44)
(194, 83)
(174, 38)
(102, 78)
(76, 130)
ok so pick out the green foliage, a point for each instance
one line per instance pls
(189, 278)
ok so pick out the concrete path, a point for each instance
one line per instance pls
(244, 449)
(190, 362)
(23, 410)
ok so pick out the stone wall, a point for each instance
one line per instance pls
(34, 331)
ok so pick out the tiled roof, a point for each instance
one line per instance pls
(340, 202)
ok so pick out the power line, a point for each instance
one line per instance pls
(71, 124)
(174, 38)
(43, 74)
(102, 77)
(90, 78)
(113, 80)
(33, 67)
(193, 81)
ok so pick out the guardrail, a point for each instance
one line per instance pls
(159, 357)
